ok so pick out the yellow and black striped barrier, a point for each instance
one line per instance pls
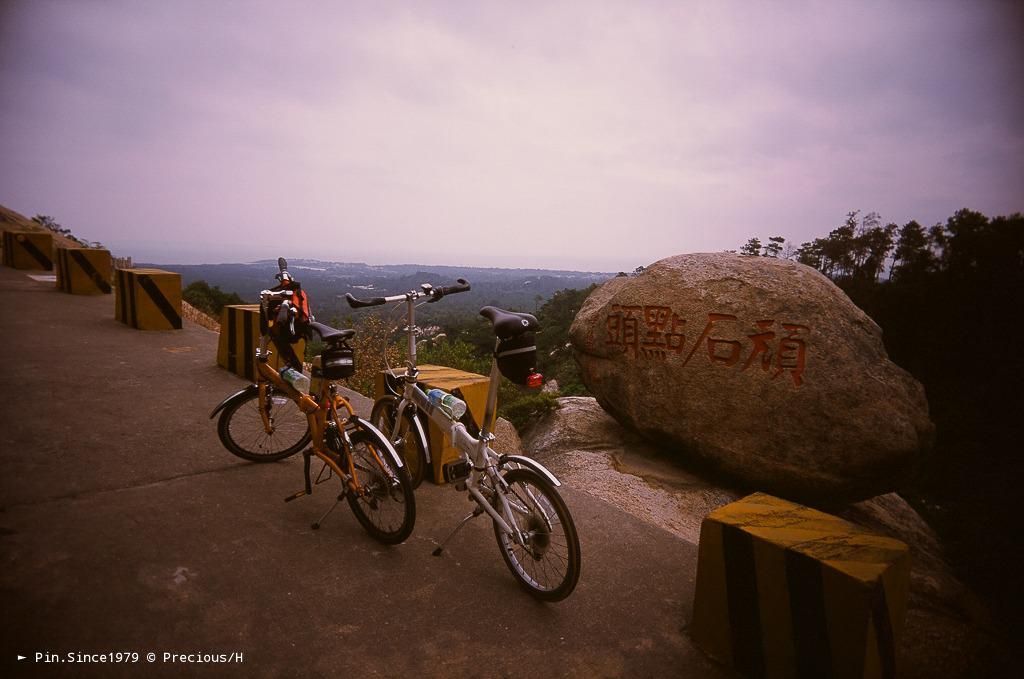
(148, 299)
(787, 591)
(83, 271)
(28, 250)
(239, 337)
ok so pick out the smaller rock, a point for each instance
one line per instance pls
(506, 441)
(586, 448)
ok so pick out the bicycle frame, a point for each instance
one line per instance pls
(260, 424)
(519, 494)
(483, 460)
(320, 414)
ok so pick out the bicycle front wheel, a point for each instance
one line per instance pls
(384, 504)
(408, 444)
(241, 429)
(547, 564)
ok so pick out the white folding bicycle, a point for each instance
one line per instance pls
(532, 524)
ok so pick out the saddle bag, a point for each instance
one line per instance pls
(517, 357)
(336, 363)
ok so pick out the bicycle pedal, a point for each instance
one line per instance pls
(456, 471)
(295, 496)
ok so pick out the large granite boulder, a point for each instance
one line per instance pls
(757, 367)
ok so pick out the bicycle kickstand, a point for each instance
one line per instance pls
(316, 524)
(476, 512)
(308, 490)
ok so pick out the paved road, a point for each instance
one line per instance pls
(125, 526)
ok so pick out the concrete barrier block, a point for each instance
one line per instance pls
(31, 250)
(148, 299)
(788, 591)
(239, 337)
(84, 271)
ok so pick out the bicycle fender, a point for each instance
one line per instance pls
(231, 399)
(533, 465)
(360, 422)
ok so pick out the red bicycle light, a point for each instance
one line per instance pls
(535, 381)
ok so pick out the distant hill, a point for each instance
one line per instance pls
(327, 283)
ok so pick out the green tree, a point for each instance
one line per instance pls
(872, 247)
(810, 253)
(913, 256)
(857, 250)
(837, 250)
(209, 300)
(949, 313)
(374, 351)
(554, 352)
(774, 246)
(752, 248)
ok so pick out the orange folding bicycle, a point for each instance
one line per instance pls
(271, 420)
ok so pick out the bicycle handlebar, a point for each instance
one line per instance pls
(359, 303)
(461, 285)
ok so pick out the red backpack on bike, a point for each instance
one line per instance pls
(281, 333)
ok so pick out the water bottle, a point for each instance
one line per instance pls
(298, 380)
(451, 406)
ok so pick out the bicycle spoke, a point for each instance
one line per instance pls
(384, 502)
(242, 431)
(547, 561)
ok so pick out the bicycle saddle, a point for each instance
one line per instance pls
(509, 324)
(329, 334)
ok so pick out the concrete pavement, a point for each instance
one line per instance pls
(127, 527)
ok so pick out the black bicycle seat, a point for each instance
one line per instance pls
(329, 334)
(509, 324)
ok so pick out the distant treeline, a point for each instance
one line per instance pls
(950, 301)
(209, 299)
(862, 249)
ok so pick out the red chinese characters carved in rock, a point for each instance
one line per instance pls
(658, 332)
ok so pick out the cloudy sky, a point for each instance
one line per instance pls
(584, 135)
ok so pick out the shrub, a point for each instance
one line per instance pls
(209, 300)
(527, 407)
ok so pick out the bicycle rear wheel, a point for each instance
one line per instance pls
(409, 444)
(241, 429)
(384, 505)
(548, 564)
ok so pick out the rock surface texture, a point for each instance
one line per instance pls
(757, 367)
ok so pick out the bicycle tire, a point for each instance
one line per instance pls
(385, 505)
(548, 567)
(240, 428)
(409, 445)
